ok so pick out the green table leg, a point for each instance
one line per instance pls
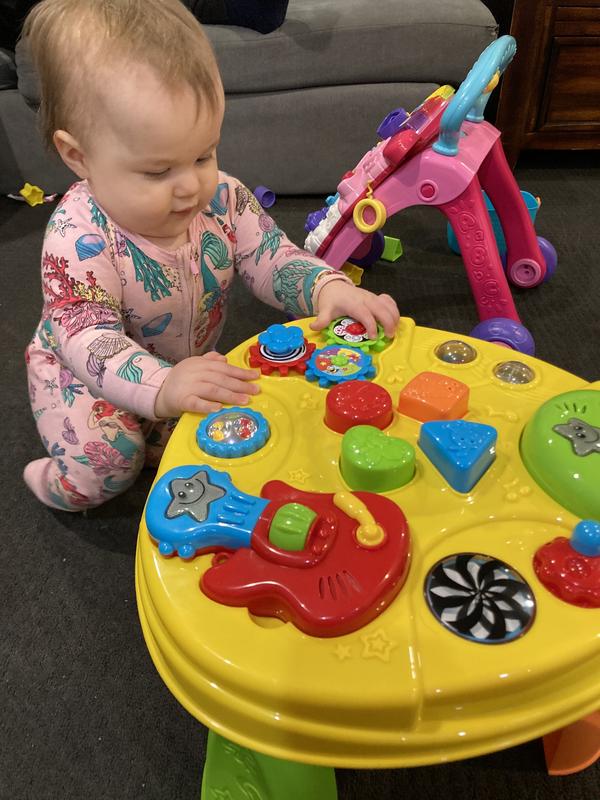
(232, 772)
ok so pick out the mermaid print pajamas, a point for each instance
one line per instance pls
(119, 311)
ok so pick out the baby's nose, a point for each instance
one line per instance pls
(188, 184)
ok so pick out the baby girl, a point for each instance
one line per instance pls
(139, 257)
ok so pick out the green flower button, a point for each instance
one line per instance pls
(371, 461)
(560, 447)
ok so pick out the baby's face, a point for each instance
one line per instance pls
(152, 163)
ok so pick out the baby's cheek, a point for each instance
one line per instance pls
(155, 200)
(209, 187)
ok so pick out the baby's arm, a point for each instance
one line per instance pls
(287, 277)
(84, 325)
(82, 318)
(274, 268)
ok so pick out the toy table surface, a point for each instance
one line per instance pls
(403, 690)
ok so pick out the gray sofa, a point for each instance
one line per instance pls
(303, 102)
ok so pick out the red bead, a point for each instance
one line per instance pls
(358, 403)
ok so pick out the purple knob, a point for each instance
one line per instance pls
(265, 196)
(314, 218)
(392, 123)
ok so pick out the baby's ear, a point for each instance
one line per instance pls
(71, 153)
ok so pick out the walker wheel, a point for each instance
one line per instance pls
(550, 256)
(368, 204)
(376, 246)
(524, 273)
(507, 332)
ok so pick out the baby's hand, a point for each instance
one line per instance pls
(202, 384)
(338, 298)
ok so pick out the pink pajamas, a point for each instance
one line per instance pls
(119, 311)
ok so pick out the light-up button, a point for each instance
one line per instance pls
(233, 433)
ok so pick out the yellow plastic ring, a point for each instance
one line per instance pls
(380, 215)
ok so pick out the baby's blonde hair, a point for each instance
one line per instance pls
(71, 40)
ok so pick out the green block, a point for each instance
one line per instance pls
(392, 250)
(371, 461)
(290, 526)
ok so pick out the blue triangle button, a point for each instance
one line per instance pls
(462, 451)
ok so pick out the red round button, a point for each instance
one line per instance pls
(358, 403)
(570, 575)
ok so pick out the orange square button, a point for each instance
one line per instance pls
(430, 396)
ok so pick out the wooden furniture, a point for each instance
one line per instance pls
(550, 96)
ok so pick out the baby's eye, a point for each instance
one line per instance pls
(160, 174)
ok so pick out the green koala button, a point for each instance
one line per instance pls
(560, 447)
(371, 461)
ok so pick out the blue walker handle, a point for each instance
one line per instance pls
(469, 102)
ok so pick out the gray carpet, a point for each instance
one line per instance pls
(84, 713)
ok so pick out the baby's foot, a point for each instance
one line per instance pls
(37, 476)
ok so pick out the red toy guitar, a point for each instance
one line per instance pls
(329, 563)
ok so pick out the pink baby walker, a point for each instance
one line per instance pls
(409, 168)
